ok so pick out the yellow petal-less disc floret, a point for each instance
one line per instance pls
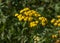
(40, 18)
(21, 11)
(16, 14)
(58, 20)
(33, 11)
(54, 36)
(43, 24)
(26, 18)
(58, 16)
(25, 9)
(19, 16)
(23, 17)
(36, 15)
(55, 24)
(53, 20)
(20, 19)
(30, 18)
(59, 24)
(30, 14)
(37, 22)
(33, 24)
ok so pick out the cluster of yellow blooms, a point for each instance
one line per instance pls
(31, 16)
(54, 36)
(56, 22)
(43, 20)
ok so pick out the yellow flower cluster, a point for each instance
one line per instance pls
(56, 22)
(26, 14)
(34, 23)
(31, 16)
(43, 20)
(54, 36)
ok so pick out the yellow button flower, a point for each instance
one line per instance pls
(55, 24)
(39, 15)
(36, 15)
(23, 17)
(33, 24)
(19, 16)
(58, 20)
(30, 18)
(54, 36)
(26, 13)
(43, 24)
(20, 19)
(58, 24)
(29, 11)
(40, 18)
(53, 20)
(30, 14)
(37, 22)
(33, 11)
(25, 9)
(43, 21)
(16, 14)
(21, 11)
(58, 16)
(26, 18)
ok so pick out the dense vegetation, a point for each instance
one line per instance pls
(39, 23)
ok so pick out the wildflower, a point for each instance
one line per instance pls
(20, 19)
(33, 24)
(40, 18)
(55, 24)
(58, 20)
(21, 11)
(33, 11)
(43, 24)
(25, 9)
(30, 14)
(58, 16)
(19, 16)
(36, 15)
(43, 20)
(53, 20)
(30, 18)
(26, 13)
(36, 21)
(23, 17)
(16, 14)
(26, 18)
(58, 24)
(54, 36)
(39, 15)
(29, 11)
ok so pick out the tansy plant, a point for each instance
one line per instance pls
(33, 18)
(56, 22)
